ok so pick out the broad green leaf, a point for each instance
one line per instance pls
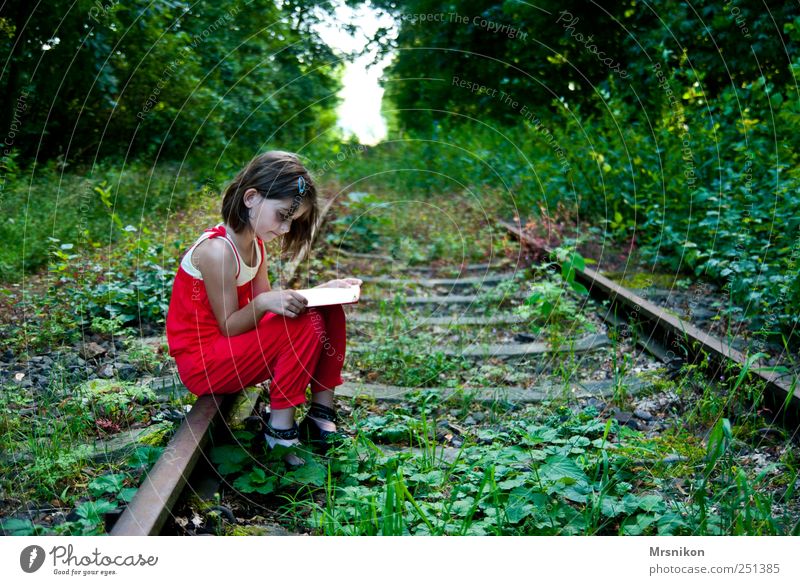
(652, 503)
(106, 484)
(256, 481)
(559, 467)
(93, 511)
(229, 458)
(311, 473)
(126, 495)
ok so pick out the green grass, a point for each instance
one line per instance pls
(48, 211)
(48, 439)
(544, 472)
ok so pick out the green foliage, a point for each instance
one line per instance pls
(691, 159)
(191, 78)
(358, 227)
(552, 303)
(66, 214)
(552, 472)
(408, 368)
(111, 400)
(708, 216)
(571, 53)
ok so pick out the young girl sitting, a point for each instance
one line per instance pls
(227, 329)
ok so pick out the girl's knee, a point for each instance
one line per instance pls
(333, 311)
(271, 321)
(315, 318)
(305, 323)
(310, 322)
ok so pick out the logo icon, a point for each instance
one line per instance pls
(31, 558)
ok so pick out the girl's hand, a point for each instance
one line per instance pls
(283, 302)
(341, 283)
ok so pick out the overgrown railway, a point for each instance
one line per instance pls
(456, 335)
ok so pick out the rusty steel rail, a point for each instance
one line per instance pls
(152, 504)
(680, 338)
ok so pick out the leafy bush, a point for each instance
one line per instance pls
(706, 189)
(358, 227)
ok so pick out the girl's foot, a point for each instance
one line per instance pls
(318, 428)
(285, 438)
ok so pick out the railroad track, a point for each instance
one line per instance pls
(673, 339)
(443, 313)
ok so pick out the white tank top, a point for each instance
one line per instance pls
(244, 273)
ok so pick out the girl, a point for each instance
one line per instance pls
(227, 329)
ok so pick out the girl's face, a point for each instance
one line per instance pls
(269, 218)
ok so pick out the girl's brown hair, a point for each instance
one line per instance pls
(274, 175)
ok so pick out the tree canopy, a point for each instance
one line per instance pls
(88, 79)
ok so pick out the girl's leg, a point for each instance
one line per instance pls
(283, 349)
(330, 327)
(282, 418)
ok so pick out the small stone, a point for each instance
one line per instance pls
(699, 314)
(598, 404)
(478, 416)
(163, 369)
(470, 420)
(443, 433)
(770, 433)
(127, 372)
(107, 371)
(642, 414)
(627, 419)
(674, 458)
(91, 350)
(175, 415)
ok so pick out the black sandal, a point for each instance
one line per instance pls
(284, 438)
(313, 435)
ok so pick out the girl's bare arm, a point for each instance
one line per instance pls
(217, 263)
(261, 280)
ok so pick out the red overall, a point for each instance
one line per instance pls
(289, 351)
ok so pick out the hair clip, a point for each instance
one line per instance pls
(301, 185)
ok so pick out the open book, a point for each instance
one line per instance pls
(318, 297)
